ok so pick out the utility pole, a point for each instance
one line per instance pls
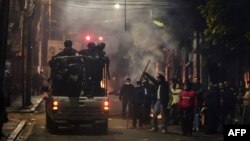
(26, 37)
(125, 15)
(4, 18)
(50, 19)
(29, 58)
(23, 59)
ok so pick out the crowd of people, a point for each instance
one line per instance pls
(80, 71)
(190, 105)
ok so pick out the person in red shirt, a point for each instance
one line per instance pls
(187, 105)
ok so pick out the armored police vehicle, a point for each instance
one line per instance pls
(78, 93)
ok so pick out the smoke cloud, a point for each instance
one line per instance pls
(129, 50)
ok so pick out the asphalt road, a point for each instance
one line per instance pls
(35, 131)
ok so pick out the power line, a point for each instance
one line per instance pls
(104, 4)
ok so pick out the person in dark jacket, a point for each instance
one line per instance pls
(212, 104)
(149, 91)
(137, 101)
(161, 99)
(7, 88)
(36, 83)
(93, 66)
(228, 106)
(68, 49)
(3, 114)
(90, 51)
(63, 66)
(197, 87)
(126, 93)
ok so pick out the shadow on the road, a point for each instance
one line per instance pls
(197, 135)
(83, 131)
(173, 133)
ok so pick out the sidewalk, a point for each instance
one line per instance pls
(13, 127)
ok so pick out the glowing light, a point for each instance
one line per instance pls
(102, 84)
(88, 38)
(100, 38)
(55, 103)
(106, 103)
(159, 116)
(117, 6)
(158, 23)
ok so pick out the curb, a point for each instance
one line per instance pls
(16, 131)
(37, 104)
(32, 109)
(14, 134)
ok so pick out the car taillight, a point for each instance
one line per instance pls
(106, 105)
(55, 105)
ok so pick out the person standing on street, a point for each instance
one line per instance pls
(149, 91)
(137, 102)
(198, 88)
(36, 83)
(187, 106)
(3, 114)
(7, 88)
(126, 93)
(212, 104)
(161, 99)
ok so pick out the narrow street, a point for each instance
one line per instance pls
(90, 64)
(35, 131)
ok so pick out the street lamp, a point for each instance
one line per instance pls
(117, 6)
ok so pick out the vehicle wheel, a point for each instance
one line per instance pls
(103, 128)
(51, 126)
